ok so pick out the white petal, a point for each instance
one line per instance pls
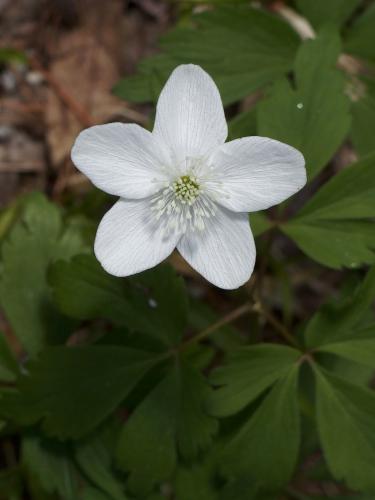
(224, 251)
(256, 173)
(189, 115)
(120, 158)
(129, 239)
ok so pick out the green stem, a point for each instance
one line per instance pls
(232, 316)
(279, 327)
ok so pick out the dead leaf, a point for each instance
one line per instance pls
(85, 63)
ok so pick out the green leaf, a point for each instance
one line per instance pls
(249, 372)
(52, 464)
(314, 117)
(241, 47)
(267, 445)
(360, 347)
(259, 223)
(74, 389)
(94, 456)
(153, 302)
(90, 493)
(243, 125)
(345, 414)
(335, 227)
(195, 429)
(360, 37)
(170, 419)
(8, 364)
(197, 480)
(363, 111)
(244, 489)
(150, 432)
(24, 293)
(335, 320)
(320, 12)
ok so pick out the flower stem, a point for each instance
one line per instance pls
(281, 329)
(228, 318)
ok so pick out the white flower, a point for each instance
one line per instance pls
(181, 186)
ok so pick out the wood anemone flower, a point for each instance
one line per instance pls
(182, 186)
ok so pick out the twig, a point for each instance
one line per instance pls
(132, 114)
(279, 327)
(233, 315)
(301, 25)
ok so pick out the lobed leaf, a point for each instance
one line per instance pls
(94, 457)
(337, 320)
(73, 389)
(360, 36)
(266, 447)
(241, 47)
(52, 464)
(346, 427)
(313, 117)
(320, 12)
(24, 292)
(336, 226)
(249, 372)
(360, 347)
(171, 418)
(154, 302)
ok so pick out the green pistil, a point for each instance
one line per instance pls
(186, 189)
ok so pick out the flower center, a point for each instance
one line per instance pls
(183, 204)
(186, 189)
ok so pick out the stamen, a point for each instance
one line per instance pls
(183, 204)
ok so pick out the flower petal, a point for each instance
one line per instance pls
(121, 158)
(224, 251)
(129, 239)
(189, 115)
(255, 173)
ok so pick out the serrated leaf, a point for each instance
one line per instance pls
(195, 429)
(150, 432)
(170, 419)
(196, 480)
(24, 293)
(334, 320)
(52, 464)
(335, 227)
(267, 445)
(345, 414)
(94, 456)
(321, 12)
(241, 47)
(360, 36)
(360, 347)
(154, 302)
(73, 389)
(249, 372)
(314, 117)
